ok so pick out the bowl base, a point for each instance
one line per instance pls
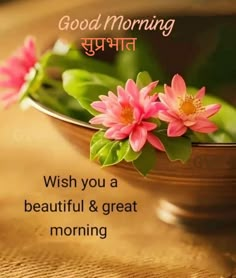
(196, 218)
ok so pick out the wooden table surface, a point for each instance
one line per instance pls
(137, 245)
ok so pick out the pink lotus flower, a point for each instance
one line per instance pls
(15, 70)
(126, 115)
(184, 111)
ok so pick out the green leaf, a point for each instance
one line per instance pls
(98, 141)
(107, 151)
(86, 87)
(112, 153)
(131, 155)
(115, 154)
(177, 148)
(97, 136)
(197, 137)
(94, 150)
(104, 152)
(74, 59)
(221, 137)
(123, 150)
(155, 121)
(147, 160)
(143, 79)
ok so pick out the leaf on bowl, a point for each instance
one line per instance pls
(131, 155)
(146, 160)
(86, 86)
(74, 59)
(108, 152)
(177, 148)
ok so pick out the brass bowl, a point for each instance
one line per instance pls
(199, 194)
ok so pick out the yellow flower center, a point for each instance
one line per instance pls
(190, 105)
(188, 108)
(127, 115)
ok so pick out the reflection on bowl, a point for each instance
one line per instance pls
(200, 193)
